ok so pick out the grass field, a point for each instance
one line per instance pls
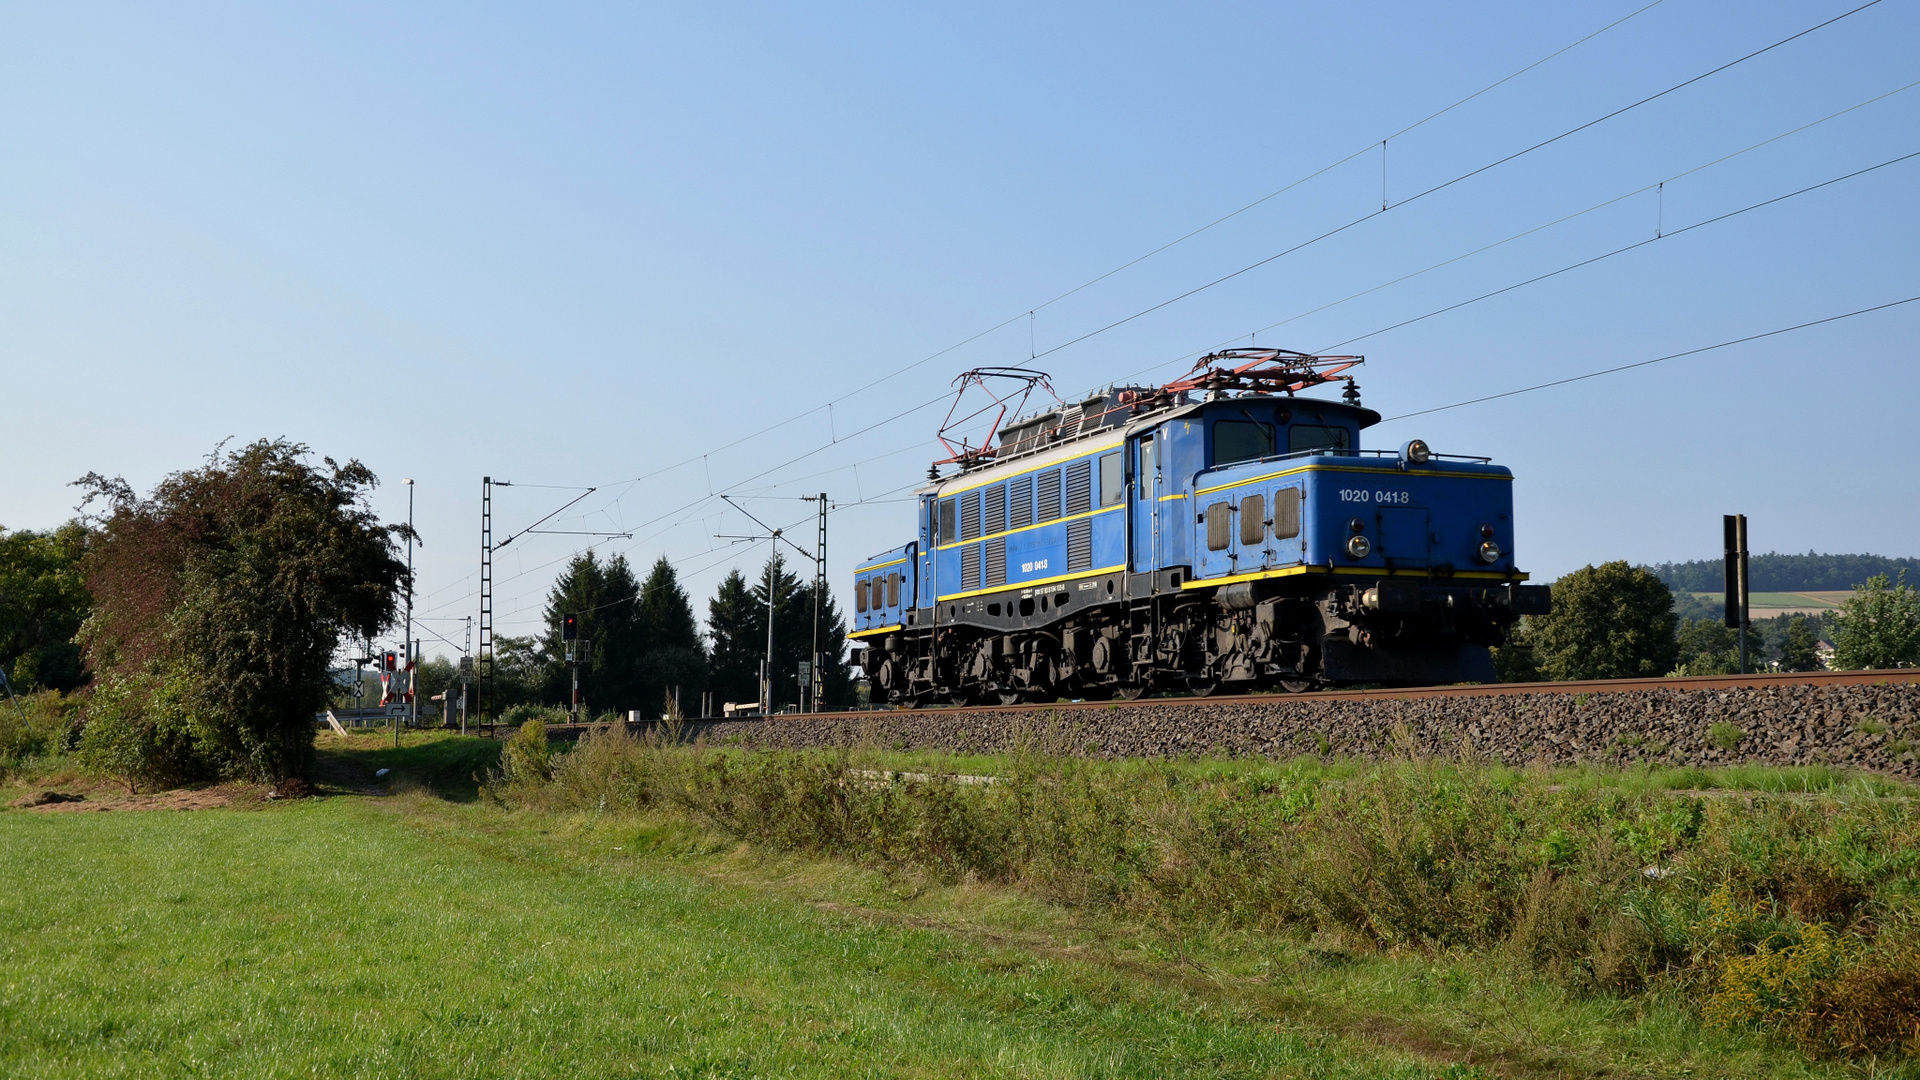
(426, 933)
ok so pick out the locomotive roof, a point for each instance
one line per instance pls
(1030, 450)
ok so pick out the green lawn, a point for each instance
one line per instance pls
(343, 937)
(427, 933)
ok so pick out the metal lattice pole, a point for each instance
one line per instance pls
(484, 658)
(819, 588)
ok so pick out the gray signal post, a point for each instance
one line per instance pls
(1735, 527)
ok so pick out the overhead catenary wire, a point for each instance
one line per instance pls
(1656, 360)
(1657, 238)
(1444, 185)
(1188, 357)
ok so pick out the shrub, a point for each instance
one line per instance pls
(518, 715)
(31, 726)
(1725, 736)
(137, 735)
(525, 758)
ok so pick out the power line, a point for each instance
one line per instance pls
(1655, 360)
(1370, 215)
(1188, 357)
(1621, 250)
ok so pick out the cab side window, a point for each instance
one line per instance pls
(1113, 479)
(948, 533)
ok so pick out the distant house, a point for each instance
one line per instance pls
(1824, 653)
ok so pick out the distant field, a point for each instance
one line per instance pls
(1783, 602)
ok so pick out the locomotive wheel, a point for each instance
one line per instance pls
(1009, 697)
(1130, 691)
(1296, 686)
(1203, 687)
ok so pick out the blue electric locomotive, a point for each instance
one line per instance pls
(1215, 532)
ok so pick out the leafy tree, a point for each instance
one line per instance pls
(605, 598)
(519, 672)
(1878, 626)
(1611, 621)
(437, 675)
(139, 733)
(1514, 660)
(232, 585)
(673, 658)
(1709, 647)
(43, 602)
(1800, 650)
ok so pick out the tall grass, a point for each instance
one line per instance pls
(1787, 912)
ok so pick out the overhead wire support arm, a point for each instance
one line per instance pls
(771, 533)
(543, 520)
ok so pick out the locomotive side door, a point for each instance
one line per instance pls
(1145, 522)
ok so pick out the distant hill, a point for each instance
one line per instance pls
(1774, 572)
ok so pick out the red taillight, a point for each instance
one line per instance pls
(1486, 531)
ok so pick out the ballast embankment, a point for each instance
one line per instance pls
(1873, 726)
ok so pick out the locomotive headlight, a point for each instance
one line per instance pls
(1490, 552)
(1359, 547)
(1416, 452)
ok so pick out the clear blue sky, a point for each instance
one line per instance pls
(573, 244)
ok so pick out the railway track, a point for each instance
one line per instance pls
(1587, 686)
(1591, 686)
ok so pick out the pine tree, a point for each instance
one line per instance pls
(835, 673)
(792, 628)
(605, 598)
(737, 621)
(737, 626)
(673, 658)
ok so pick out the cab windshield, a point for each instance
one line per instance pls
(1241, 440)
(1303, 437)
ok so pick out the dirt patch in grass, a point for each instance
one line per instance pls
(183, 799)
